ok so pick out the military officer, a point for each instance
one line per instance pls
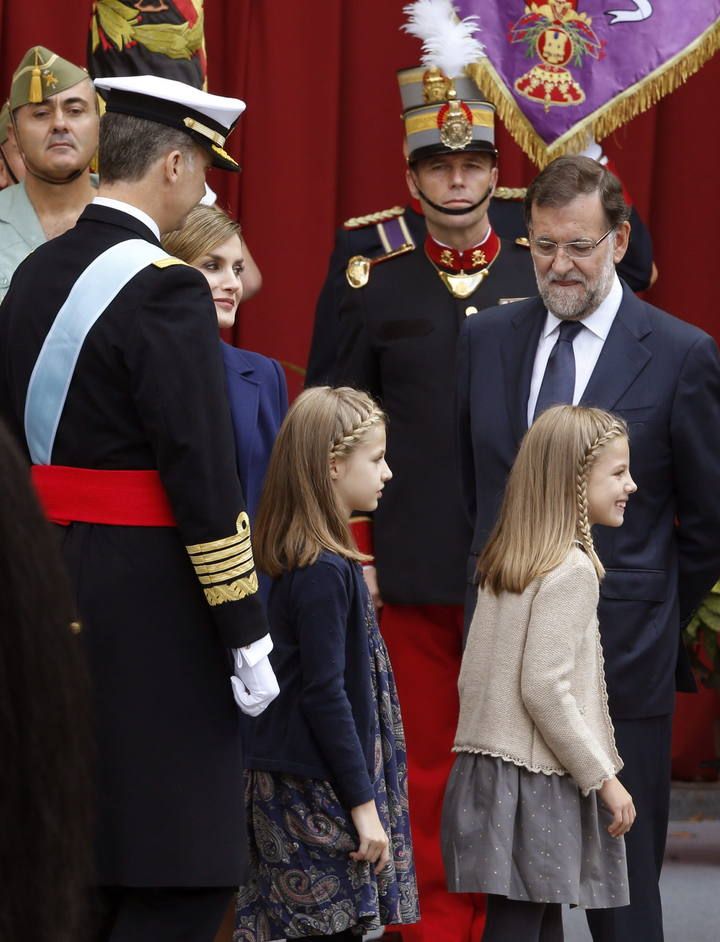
(399, 320)
(112, 381)
(370, 235)
(54, 126)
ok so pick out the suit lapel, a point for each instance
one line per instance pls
(518, 355)
(623, 355)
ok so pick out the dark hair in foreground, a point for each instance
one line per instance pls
(45, 791)
(299, 516)
(567, 177)
(129, 146)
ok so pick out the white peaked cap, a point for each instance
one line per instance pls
(208, 119)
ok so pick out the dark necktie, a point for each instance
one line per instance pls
(558, 385)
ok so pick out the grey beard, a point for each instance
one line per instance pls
(565, 306)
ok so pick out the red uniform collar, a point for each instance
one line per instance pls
(479, 256)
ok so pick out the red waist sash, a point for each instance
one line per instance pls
(119, 498)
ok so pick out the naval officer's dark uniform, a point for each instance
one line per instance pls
(158, 618)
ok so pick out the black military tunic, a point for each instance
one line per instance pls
(148, 393)
(397, 340)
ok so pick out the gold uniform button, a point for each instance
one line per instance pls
(76, 627)
(470, 309)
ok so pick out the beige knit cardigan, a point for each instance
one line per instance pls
(532, 686)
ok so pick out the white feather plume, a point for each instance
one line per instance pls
(447, 42)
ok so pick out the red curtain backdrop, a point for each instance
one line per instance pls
(321, 141)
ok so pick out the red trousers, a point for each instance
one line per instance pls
(425, 647)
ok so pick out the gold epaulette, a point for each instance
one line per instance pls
(225, 567)
(372, 219)
(167, 262)
(510, 192)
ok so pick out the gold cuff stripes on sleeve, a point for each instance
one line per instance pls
(225, 567)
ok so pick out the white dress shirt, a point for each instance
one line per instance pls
(130, 210)
(587, 346)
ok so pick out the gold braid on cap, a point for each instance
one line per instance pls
(342, 447)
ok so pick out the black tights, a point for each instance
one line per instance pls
(510, 920)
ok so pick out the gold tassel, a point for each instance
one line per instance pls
(35, 95)
(621, 109)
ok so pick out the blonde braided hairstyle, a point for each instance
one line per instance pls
(613, 427)
(343, 446)
(298, 515)
(545, 507)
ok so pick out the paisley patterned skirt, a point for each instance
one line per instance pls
(302, 881)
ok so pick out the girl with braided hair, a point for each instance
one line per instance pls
(327, 784)
(534, 812)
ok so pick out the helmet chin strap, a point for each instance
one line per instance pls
(454, 212)
(39, 176)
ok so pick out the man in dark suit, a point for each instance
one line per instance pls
(111, 378)
(588, 339)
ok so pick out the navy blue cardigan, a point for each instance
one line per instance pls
(322, 725)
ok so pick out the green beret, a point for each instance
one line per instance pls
(40, 75)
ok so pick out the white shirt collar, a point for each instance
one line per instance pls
(131, 211)
(600, 321)
(481, 242)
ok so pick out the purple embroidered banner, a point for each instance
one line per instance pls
(562, 71)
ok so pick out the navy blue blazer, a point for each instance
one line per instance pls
(258, 397)
(662, 376)
(322, 724)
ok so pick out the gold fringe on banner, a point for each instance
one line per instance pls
(610, 116)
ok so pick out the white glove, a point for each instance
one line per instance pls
(254, 685)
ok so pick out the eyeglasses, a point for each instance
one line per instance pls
(582, 248)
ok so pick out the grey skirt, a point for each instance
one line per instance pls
(529, 836)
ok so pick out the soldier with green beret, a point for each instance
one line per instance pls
(53, 125)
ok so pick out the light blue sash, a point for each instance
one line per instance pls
(52, 374)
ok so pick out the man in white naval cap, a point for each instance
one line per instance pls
(112, 381)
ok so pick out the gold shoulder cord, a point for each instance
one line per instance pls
(510, 192)
(371, 219)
